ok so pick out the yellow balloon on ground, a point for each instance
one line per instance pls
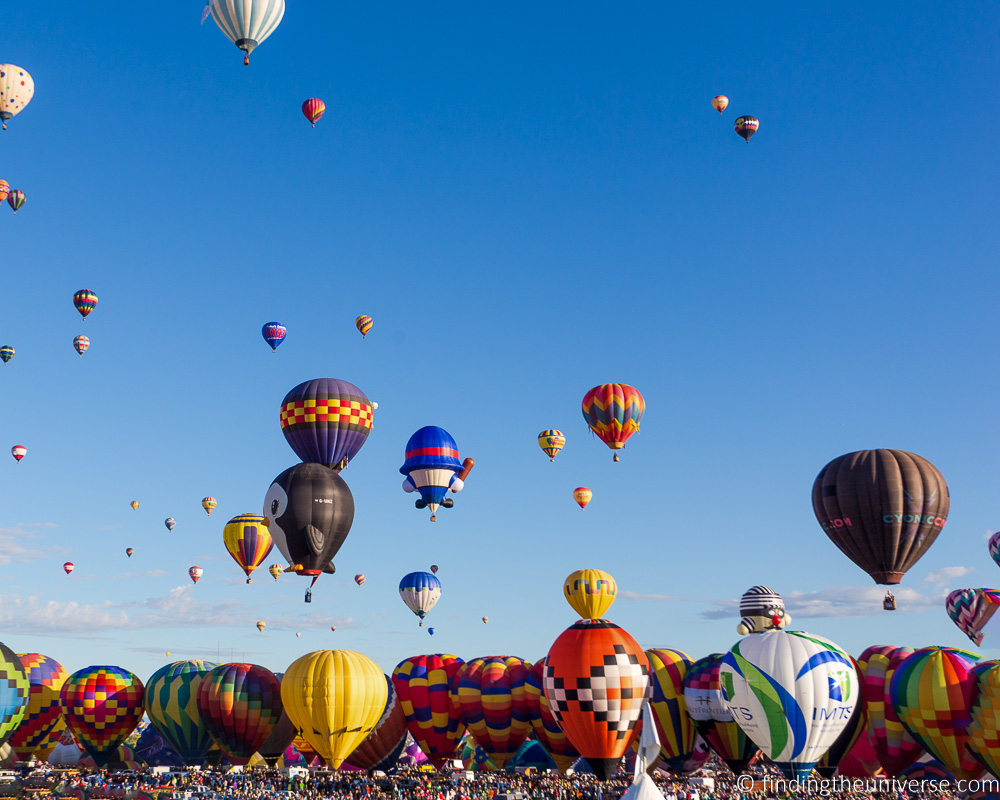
(591, 592)
(334, 698)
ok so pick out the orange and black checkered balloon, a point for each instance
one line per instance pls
(102, 706)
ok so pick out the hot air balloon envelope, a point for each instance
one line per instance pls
(590, 592)
(326, 421)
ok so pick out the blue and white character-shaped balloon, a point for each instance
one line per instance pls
(432, 468)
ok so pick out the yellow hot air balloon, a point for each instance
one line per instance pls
(719, 102)
(275, 570)
(134, 504)
(591, 592)
(261, 625)
(334, 698)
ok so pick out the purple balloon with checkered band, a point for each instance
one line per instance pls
(326, 421)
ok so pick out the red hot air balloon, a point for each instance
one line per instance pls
(101, 706)
(383, 746)
(613, 411)
(19, 451)
(85, 302)
(313, 109)
(490, 696)
(239, 704)
(194, 573)
(596, 658)
(546, 729)
(423, 684)
(68, 567)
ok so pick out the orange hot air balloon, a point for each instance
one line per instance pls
(719, 102)
(582, 495)
(590, 658)
(195, 573)
(313, 108)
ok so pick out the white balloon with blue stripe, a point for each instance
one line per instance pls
(247, 23)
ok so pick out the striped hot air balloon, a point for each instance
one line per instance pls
(248, 541)
(81, 344)
(420, 591)
(551, 441)
(209, 504)
(546, 729)
(85, 302)
(171, 700)
(239, 704)
(582, 495)
(326, 421)
(363, 324)
(489, 693)
(670, 712)
(16, 199)
(102, 705)
(247, 23)
(43, 715)
(6, 353)
(424, 684)
(313, 110)
(746, 127)
(613, 411)
(19, 451)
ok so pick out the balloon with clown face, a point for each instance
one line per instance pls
(762, 609)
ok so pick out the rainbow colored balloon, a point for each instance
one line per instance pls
(17, 689)
(43, 715)
(423, 684)
(101, 706)
(239, 704)
(551, 442)
(667, 669)
(171, 700)
(932, 693)
(613, 411)
(546, 729)
(894, 748)
(984, 730)
(363, 324)
(6, 353)
(85, 302)
(382, 748)
(490, 696)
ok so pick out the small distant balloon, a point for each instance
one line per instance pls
(364, 324)
(274, 334)
(81, 344)
(167, 654)
(298, 635)
(129, 551)
(582, 495)
(485, 620)
(134, 504)
(85, 302)
(68, 567)
(170, 522)
(4, 190)
(430, 631)
(19, 451)
(6, 353)
(719, 102)
(434, 568)
(16, 199)
(359, 579)
(209, 503)
(261, 625)
(551, 442)
(275, 570)
(746, 127)
(333, 627)
(313, 109)
(195, 573)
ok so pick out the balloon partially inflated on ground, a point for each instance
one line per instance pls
(424, 686)
(792, 693)
(171, 700)
(490, 696)
(895, 749)
(102, 705)
(43, 715)
(383, 746)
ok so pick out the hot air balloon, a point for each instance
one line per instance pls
(239, 704)
(335, 698)
(363, 324)
(590, 592)
(894, 748)
(68, 567)
(261, 625)
(762, 609)
(16, 692)
(6, 353)
(171, 701)
(281, 736)
(248, 541)
(247, 23)
(746, 127)
(43, 714)
(431, 631)
(274, 334)
(485, 620)
(423, 683)
(129, 551)
(194, 573)
(4, 190)
(309, 510)
(972, 609)
(19, 451)
(81, 344)
(711, 716)
(326, 421)
(932, 691)
(85, 302)
(134, 504)
(333, 628)
(489, 695)
(544, 725)
(275, 570)
(101, 706)
(16, 90)
(551, 442)
(434, 568)
(792, 693)
(313, 109)
(590, 659)
(298, 635)
(208, 503)
(170, 522)
(582, 495)
(431, 467)
(420, 591)
(830, 762)
(984, 730)
(16, 199)
(383, 746)
(359, 579)
(673, 722)
(719, 102)
(613, 411)
(882, 508)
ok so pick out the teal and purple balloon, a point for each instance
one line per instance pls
(326, 421)
(274, 334)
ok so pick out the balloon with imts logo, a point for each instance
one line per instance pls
(424, 687)
(489, 694)
(420, 591)
(792, 693)
(595, 659)
(432, 468)
(762, 609)
(711, 715)
(544, 724)
(247, 23)
(326, 421)
(16, 90)
(551, 441)
(171, 700)
(882, 508)
(932, 692)
(102, 705)
(43, 714)
(746, 127)
(383, 746)
(81, 344)
(209, 504)
(313, 109)
(85, 302)
(248, 541)
(971, 610)
(590, 592)
(843, 744)
(15, 694)
(309, 510)
(239, 704)
(582, 495)
(274, 334)
(667, 669)
(335, 699)
(984, 730)
(363, 324)
(895, 749)
(6, 353)
(613, 411)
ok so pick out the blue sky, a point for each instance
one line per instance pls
(529, 202)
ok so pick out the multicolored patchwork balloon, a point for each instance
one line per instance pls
(16, 690)
(43, 715)
(326, 421)
(591, 592)
(971, 610)
(171, 701)
(282, 736)
(101, 706)
(894, 748)
(613, 411)
(248, 541)
(489, 693)
(85, 302)
(81, 344)
(424, 687)
(546, 729)
(239, 704)
(667, 669)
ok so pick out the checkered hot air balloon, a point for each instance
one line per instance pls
(383, 746)
(43, 715)
(894, 747)
(489, 694)
(613, 411)
(544, 725)
(171, 700)
(239, 704)
(247, 23)
(101, 706)
(282, 736)
(668, 669)
(248, 541)
(16, 692)
(424, 687)
(326, 421)
(596, 678)
(85, 302)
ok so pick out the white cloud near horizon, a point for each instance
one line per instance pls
(841, 601)
(945, 575)
(16, 547)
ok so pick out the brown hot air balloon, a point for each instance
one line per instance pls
(882, 508)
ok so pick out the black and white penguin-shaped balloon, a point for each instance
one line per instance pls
(762, 609)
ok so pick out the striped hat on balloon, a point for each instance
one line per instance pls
(762, 609)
